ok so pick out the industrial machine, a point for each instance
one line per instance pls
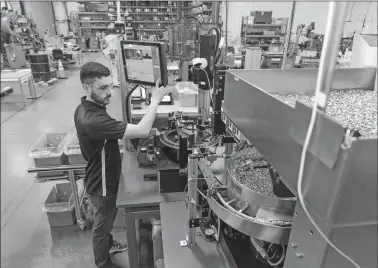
(292, 194)
(19, 37)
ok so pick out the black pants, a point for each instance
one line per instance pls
(104, 214)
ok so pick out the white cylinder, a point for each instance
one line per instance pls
(252, 58)
(61, 18)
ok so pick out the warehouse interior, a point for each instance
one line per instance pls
(266, 150)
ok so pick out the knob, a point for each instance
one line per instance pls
(150, 147)
(143, 150)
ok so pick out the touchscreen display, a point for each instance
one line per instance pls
(142, 62)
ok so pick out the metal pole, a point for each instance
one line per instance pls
(288, 35)
(334, 29)
(75, 195)
(193, 197)
(119, 11)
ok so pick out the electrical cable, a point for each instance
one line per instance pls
(300, 180)
(280, 260)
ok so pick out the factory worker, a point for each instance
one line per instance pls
(98, 134)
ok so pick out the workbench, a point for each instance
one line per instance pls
(19, 77)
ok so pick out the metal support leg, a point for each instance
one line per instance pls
(228, 151)
(193, 197)
(132, 240)
(22, 92)
(32, 94)
(82, 223)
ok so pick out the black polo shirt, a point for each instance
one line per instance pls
(94, 126)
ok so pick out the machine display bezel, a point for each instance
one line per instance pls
(162, 58)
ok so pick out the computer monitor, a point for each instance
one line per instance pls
(144, 62)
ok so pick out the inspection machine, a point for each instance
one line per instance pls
(271, 207)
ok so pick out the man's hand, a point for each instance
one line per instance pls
(158, 93)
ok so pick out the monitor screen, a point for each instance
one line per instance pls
(144, 62)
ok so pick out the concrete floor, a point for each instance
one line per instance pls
(26, 238)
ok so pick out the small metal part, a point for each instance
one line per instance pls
(243, 208)
(231, 201)
(183, 243)
(293, 245)
(195, 222)
(299, 255)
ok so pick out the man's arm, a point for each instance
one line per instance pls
(104, 127)
(143, 128)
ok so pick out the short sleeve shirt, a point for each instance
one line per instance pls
(94, 126)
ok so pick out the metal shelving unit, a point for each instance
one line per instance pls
(273, 33)
(145, 18)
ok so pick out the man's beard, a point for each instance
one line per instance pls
(98, 100)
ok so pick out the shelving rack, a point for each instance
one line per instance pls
(267, 36)
(145, 18)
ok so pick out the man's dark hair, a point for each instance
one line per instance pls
(92, 70)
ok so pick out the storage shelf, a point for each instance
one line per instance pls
(150, 7)
(93, 27)
(151, 13)
(104, 21)
(263, 25)
(149, 21)
(263, 36)
(263, 45)
(93, 13)
(194, 6)
(150, 30)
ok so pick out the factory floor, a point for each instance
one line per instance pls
(27, 241)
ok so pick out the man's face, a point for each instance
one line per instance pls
(101, 90)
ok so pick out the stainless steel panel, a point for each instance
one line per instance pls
(268, 124)
(304, 80)
(270, 233)
(308, 249)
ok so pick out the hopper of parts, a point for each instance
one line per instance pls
(188, 94)
(48, 150)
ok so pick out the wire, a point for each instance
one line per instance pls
(280, 260)
(300, 181)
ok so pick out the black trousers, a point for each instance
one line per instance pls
(104, 214)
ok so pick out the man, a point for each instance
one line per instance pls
(98, 135)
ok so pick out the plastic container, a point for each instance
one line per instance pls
(188, 94)
(73, 151)
(48, 150)
(59, 206)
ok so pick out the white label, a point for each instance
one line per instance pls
(321, 99)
